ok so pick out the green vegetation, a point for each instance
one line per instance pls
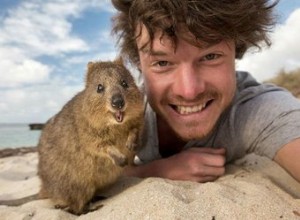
(288, 80)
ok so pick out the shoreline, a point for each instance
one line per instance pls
(8, 152)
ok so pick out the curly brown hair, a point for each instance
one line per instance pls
(246, 22)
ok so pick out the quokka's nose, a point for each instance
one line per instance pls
(117, 101)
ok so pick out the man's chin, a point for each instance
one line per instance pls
(192, 134)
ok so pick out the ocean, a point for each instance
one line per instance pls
(18, 135)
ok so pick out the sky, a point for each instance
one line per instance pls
(46, 44)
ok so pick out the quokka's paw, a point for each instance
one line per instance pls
(131, 142)
(118, 158)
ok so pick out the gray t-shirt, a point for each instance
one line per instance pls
(261, 119)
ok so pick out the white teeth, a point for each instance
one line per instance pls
(184, 110)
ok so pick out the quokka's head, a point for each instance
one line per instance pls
(111, 94)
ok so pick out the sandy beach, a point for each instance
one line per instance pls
(254, 187)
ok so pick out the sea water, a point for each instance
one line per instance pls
(18, 135)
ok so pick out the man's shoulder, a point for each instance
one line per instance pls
(250, 90)
(261, 107)
(262, 118)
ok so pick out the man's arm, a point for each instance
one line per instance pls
(194, 164)
(288, 157)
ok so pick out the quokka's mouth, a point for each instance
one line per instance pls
(119, 116)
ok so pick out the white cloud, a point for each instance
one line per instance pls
(284, 54)
(28, 71)
(31, 91)
(103, 50)
(105, 56)
(35, 27)
(32, 29)
(104, 5)
(11, 53)
(35, 104)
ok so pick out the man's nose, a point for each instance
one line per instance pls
(188, 82)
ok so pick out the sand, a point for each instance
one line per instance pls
(254, 187)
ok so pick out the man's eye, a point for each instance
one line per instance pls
(162, 63)
(211, 56)
(161, 66)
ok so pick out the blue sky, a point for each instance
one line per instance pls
(46, 44)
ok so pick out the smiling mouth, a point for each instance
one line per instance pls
(185, 110)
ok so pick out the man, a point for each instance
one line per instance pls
(201, 112)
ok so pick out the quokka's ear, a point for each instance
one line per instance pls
(89, 72)
(119, 61)
(90, 64)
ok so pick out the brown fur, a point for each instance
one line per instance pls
(83, 148)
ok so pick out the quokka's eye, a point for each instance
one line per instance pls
(124, 84)
(100, 88)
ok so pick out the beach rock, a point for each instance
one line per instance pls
(7, 152)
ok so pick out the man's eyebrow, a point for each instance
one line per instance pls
(153, 52)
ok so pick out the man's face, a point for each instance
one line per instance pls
(188, 87)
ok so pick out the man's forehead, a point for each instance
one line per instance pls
(163, 41)
(159, 40)
(157, 47)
